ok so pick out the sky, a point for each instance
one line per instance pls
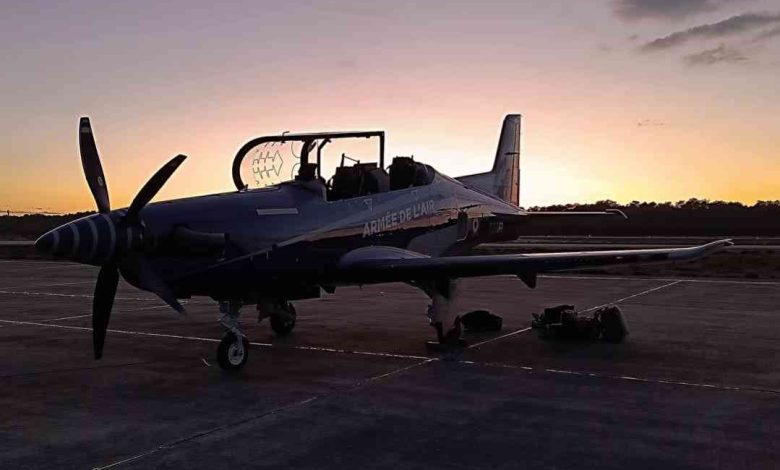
(621, 99)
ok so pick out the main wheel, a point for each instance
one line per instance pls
(229, 356)
(284, 324)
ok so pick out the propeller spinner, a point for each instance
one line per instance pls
(112, 240)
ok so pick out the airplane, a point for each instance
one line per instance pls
(272, 244)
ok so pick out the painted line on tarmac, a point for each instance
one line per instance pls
(124, 332)
(213, 340)
(422, 360)
(129, 310)
(77, 296)
(34, 286)
(38, 263)
(350, 351)
(191, 437)
(68, 318)
(77, 369)
(727, 388)
(35, 267)
(645, 292)
(395, 372)
(663, 279)
(523, 330)
(491, 340)
(281, 409)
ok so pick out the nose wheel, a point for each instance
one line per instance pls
(232, 352)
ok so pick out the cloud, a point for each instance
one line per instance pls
(768, 34)
(720, 54)
(735, 24)
(650, 123)
(632, 10)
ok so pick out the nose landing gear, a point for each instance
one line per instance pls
(233, 350)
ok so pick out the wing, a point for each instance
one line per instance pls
(568, 214)
(386, 264)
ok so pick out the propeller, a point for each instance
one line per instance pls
(132, 260)
(93, 170)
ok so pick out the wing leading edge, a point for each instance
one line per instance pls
(385, 264)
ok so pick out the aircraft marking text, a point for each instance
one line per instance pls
(394, 219)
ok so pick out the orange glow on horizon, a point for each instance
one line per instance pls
(600, 119)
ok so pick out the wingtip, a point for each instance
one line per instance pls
(617, 212)
(717, 244)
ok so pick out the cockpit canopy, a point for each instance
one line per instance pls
(272, 160)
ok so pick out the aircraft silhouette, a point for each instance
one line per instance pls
(291, 240)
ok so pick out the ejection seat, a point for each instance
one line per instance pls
(307, 177)
(360, 179)
(406, 173)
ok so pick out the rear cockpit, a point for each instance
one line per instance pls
(312, 161)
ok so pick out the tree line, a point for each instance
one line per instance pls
(693, 217)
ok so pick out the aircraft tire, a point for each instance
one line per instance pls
(283, 325)
(227, 355)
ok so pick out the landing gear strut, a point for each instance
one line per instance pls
(441, 311)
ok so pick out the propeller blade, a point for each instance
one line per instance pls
(105, 290)
(93, 171)
(151, 281)
(152, 186)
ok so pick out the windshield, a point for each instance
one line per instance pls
(270, 163)
(271, 160)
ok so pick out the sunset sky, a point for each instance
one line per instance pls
(629, 99)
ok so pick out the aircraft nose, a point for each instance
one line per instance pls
(46, 243)
(90, 240)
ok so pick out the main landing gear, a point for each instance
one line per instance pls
(233, 349)
(441, 311)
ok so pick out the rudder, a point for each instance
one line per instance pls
(503, 181)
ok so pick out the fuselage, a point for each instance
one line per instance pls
(290, 226)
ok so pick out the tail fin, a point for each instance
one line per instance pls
(503, 181)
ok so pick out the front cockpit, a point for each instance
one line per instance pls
(321, 163)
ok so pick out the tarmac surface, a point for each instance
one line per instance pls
(695, 385)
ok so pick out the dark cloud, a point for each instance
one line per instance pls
(662, 9)
(768, 34)
(735, 24)
(720, 54)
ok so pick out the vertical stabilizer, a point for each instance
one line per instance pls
(503, 181)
